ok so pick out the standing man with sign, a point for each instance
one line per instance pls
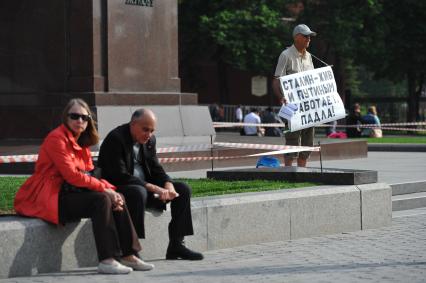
(295, 59)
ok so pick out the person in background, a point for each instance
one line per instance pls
(221, 113)
(372, 119)
(354, 119)
(239, 114)
(269, 116)
(253, 118)
(214, 112)
(128, 158)
(293, 60)
(62, 190)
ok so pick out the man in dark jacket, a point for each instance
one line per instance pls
(355, 120)
(128, 159)
(269, 116)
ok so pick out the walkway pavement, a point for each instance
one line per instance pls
(392, 254)
(392, 167)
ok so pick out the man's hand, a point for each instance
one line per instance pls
(172, 192)
(165, 194)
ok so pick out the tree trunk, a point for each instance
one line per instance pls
(223, 81)
(413, 100)
(340, 76)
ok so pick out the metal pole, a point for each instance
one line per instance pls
(211, 149)
(319, 144)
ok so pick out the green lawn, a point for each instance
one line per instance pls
(405, 140)
(8, 188)
(200, 187)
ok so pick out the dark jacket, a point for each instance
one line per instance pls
(353, 119)
(271, 117)
(116, 159)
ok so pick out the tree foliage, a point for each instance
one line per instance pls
(340, 24)
(248, 35)
(251, 35)
(387, 37)
(396, 44)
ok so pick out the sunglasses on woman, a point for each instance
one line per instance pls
(76, 116)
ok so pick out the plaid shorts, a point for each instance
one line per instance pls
(303, 137)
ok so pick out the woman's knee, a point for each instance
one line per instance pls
(103, 201)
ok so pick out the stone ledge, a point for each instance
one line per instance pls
(408, 188)
(393, 147)
(31, 246)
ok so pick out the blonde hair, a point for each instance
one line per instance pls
(372, 110)
(90, 136)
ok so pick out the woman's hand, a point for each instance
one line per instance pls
(116, 199)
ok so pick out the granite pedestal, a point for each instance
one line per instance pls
(329, 176)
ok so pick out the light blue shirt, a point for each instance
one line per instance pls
(138, 170)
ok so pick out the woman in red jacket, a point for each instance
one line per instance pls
(62, 190)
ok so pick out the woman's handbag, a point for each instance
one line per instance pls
(376, 133)
(68, 188)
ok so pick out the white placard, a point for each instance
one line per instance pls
(315, 94)
(259, 86)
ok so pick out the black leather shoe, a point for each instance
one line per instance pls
(179, 251)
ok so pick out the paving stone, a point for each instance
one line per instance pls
(396, 253)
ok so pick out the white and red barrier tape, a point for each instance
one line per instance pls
(226, 124)
(386, 126)
(18, 158)
(278, 149)
(206, 158)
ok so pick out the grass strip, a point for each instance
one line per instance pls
(402, 140)
(8, 188)
(200, 188)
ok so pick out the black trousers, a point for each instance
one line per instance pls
(138, 198)
(115, 235)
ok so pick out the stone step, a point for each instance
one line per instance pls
(408, 201)
(408, 188)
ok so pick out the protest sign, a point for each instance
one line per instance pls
(314, 92)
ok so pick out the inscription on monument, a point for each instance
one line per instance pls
(147, 3)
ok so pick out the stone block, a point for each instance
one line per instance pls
(176, 125)
(169, 121)
(198, 241)
(330, 176)
(324, 211)
(154, 245)
(196, 121)
(31, 246)
(246, 220)
(109, 117)
(376, 205)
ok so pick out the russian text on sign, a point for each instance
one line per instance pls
(315, 94)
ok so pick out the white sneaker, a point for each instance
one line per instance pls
(113, 268)
(138, 265)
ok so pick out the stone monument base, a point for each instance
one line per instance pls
(329, 176)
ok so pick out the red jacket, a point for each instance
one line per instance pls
(60, 159)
